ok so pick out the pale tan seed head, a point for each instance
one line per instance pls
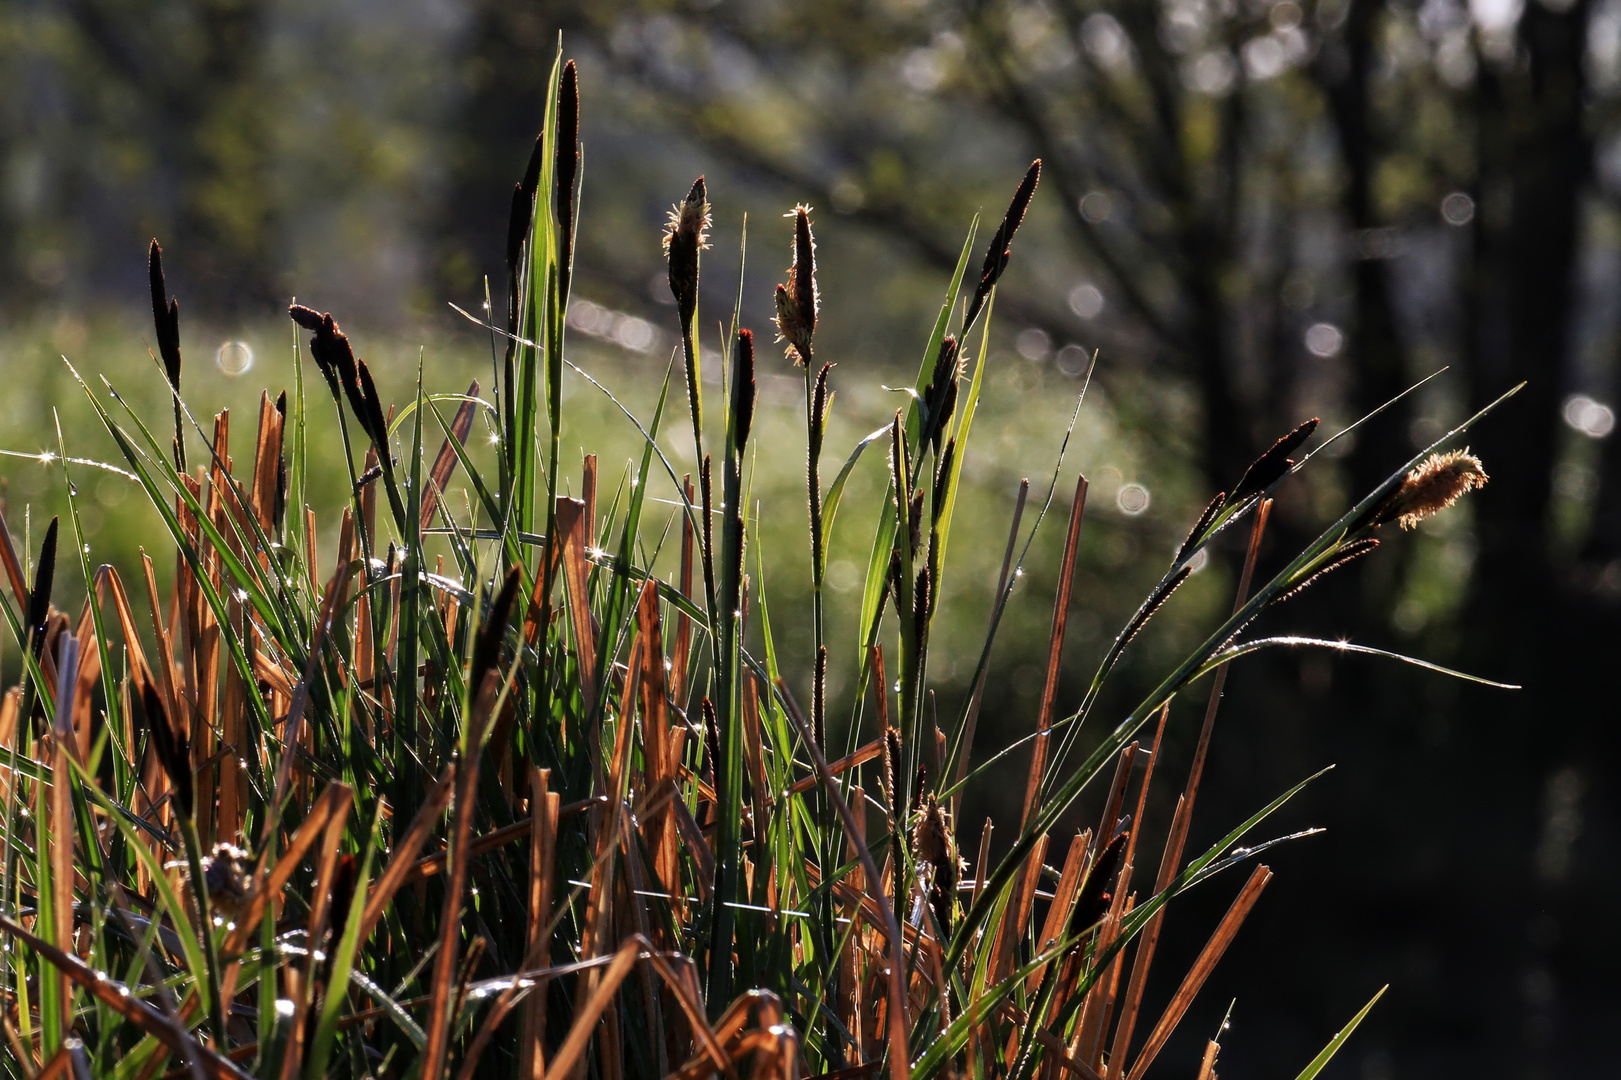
(1438, 482)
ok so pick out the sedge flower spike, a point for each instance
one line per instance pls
(1438, 482)
(686, 234)
(797, 300)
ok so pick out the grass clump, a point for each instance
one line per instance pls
(501, 785)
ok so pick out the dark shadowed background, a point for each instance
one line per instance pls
(1255, 211)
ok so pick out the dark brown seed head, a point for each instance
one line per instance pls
(802, 275)
(1200, 526)
(743, 388)
(1437, 483)
(308, 318)
(931, 836)
(171, 747)
(1155, 600)
(922, 601)
(915, 520)
(566, 164)
(278, 510)
(331, 349)
(706, 710)
(940, 396)
(519, 219)
(900, 466)
(797, 301)
(942, 479)
(936, 839)
(1094, 899)
(372, 419)
(787, 320)
(39, 598)
(892, 762)
(1000, 251)
(517, 230)
(820, 397)
(706, 492)
(322, 348)
(685, 234)
(487, 647)
(1273, 465)
(819, 698)
(165, 317)
(344, 879)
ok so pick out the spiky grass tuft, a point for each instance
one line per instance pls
(339, 812)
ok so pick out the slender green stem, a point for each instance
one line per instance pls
(205, 929)
(813, 483)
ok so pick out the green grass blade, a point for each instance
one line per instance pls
(1334, 1044)
(835, 490)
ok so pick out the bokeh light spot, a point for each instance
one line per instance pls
(1324, 339)
(1593, 419)
(1457, 209)
(1132, 499)
(234, 358)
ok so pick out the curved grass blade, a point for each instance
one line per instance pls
(1346, 647)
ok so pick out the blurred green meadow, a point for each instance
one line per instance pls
(1141, 496)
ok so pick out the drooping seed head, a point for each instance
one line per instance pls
(1271, 466)
(1438, 482)
(307, 317)
(372, 418)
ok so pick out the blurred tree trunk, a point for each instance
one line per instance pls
(1535, 165)
(1523, 622)
(1377, 367)
(503, 73)
(196, 68)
